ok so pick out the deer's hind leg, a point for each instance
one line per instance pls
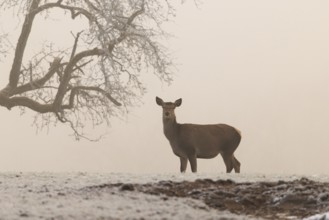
(236, 164)
(228, 160)
(193, 163)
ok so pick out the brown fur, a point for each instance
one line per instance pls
(192, 141)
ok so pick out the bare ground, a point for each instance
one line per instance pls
(295, 199)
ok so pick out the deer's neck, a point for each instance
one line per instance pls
(170, 128)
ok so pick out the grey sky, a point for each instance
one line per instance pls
(261, 66)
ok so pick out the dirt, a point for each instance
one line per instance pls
(269, 200)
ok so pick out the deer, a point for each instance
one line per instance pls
(204, 141)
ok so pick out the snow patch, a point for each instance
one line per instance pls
(324, 216)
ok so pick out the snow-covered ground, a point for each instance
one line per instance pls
(72, 196)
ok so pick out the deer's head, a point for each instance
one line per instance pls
(168, 108)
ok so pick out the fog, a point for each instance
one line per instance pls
(260, 66)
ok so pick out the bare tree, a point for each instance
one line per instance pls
(98, 77)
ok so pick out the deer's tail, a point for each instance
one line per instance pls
(239, 132)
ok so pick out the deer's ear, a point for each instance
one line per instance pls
(159, 101)
(178, 102)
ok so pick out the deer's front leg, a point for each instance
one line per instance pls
(183, 164)
(193, 163)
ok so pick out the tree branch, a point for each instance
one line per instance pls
(36, 84)
(21, 45)
(75, 91)
(75, 45)
(72, 9)
(26, 30)
(135, 14)
(68, 71)
(91, 5)
(123, 34)
(25, 102)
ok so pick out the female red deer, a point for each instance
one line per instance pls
(192, 141)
